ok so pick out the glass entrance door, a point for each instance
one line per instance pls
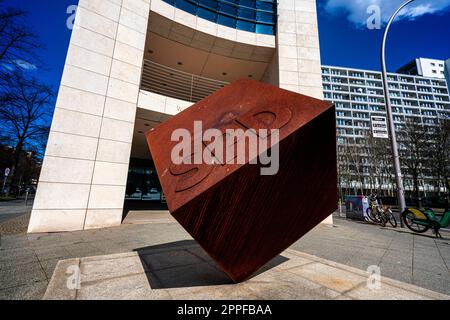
(143, 182)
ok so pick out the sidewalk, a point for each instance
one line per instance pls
(183, 271)
(27, 262)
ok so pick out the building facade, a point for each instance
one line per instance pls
(359, 96)
(447, 73)
(429, 68)
(132, 64)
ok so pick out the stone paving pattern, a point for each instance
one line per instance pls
(182, 270)
(27, 262)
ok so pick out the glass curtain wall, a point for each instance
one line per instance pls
(257, 16)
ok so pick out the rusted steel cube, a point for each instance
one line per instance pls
(240, 217)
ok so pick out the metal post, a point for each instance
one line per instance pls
(397, 168)
(26, 197)
(4, 185)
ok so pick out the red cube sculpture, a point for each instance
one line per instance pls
(240, 217)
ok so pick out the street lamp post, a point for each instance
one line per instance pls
(394, 146)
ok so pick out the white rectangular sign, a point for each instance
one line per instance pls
(379, 127)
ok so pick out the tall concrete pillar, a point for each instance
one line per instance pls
(296, 64)
(84, 174)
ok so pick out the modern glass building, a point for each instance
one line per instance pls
(359, 96)
(247, 15)
(132, 64)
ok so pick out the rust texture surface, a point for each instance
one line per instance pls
(241, 218)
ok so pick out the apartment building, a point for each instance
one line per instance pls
(359, 96)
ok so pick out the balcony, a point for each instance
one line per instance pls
(177, 84)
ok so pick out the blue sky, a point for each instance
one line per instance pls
(423, 31)
(346, 41)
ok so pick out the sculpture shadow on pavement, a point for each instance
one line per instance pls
(184, 264)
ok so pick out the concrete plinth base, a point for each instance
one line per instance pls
(183, 271)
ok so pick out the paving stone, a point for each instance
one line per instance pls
(82, 250)
(437, 266)
(51, 253)
(33, 291)
(388, 292)
(108, 277)
(396, 271)
(223, 292)
(432, 281)
(58, 288)
(199, 252)
(133, 287)
(49, 267)
(194, 275)
(335, 279)
(11, 258)
(115, 267)
(398, 258)
(21, 275)
(363, 263)
(169, 259)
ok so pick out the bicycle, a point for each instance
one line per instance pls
(378, 214)
(388, 216)
(421, 221)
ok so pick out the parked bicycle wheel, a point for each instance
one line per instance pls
(373, 216)
(412, 219)
(392, 220)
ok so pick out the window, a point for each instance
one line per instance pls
(266, 6)
(245, 25)
(265, 29)
(248, 15)
(247, 3)
(186, 6)
(228, 9)
(264, 17)
(206, 14)
(226, 21)
(208, 3)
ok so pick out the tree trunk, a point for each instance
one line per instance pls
(416, 189)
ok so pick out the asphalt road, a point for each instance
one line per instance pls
(13, 209)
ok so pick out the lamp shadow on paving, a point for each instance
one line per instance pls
(184, 264)
(428, 234)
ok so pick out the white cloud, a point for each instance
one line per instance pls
(25, 65)
(356, 10)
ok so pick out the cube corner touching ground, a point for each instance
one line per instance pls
(242, 218)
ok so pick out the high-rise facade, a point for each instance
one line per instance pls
(132, 64)
(430, 68)
(447, 72)
(359, 96)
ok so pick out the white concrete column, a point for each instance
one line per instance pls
(296, 65)
(85, 169)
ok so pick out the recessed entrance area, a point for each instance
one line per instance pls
(143, 191)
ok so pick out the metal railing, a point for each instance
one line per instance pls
(177, 84)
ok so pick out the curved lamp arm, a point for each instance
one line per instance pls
(397, 168)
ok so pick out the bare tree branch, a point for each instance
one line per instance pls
(25, 110)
